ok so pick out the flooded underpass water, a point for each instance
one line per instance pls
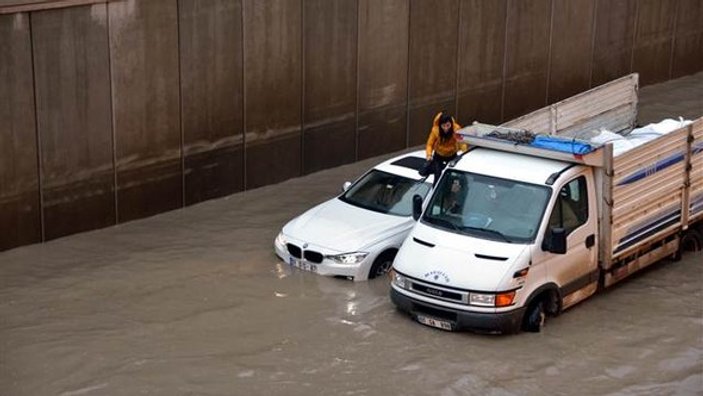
(194, 302)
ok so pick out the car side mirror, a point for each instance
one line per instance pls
(346, 186)
(555, 241)
(417, 206)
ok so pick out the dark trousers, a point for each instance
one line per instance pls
(436, 166)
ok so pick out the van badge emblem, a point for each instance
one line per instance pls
(437, 275)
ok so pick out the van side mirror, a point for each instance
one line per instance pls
(346, 186)
(417, 206)
(555, 241)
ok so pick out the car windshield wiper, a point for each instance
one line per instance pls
(489, 231)
(442, 222)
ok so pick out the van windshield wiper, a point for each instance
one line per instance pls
(489, 231)
(442, 222)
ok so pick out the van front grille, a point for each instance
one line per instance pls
(441, 293)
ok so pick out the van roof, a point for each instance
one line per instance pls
(513, 166)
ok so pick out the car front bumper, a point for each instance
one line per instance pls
(503, 322)
(327, 267)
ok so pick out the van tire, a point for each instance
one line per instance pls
(382, 264)
(535, 315)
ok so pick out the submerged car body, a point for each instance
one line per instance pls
(357, 234)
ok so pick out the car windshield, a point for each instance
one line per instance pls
(385, 192)
(487, 207)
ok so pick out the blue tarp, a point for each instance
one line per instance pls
(561, 144)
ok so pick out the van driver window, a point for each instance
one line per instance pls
(571, 208)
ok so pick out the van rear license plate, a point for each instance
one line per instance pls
(440, 324)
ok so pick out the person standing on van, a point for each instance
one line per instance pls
(442, 145)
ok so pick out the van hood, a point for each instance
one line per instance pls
(457, 260)
(341, 227)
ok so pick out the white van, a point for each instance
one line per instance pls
(514, 232)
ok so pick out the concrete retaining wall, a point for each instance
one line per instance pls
(116, 110)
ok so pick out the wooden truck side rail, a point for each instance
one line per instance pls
(657, 193)
(612, 106)
(648, 187)
(695, 191)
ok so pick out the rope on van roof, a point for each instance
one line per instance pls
(523, 137)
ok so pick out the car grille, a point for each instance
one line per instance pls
(313, 257)
(294, 251)
(309, 255)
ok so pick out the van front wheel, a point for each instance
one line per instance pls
(535, 315)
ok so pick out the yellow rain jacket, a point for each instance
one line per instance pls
(445, 148)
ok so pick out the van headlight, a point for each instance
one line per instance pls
(399, 280)
(485, 300)
(348, 258)
(492, 300)
(281, 239)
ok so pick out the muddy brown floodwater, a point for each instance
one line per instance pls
(194, 302)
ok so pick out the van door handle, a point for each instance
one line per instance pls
(590, 241)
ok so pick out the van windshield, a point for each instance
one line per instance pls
(487, 207)
(385, 192)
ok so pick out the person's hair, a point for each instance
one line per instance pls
(443, 119)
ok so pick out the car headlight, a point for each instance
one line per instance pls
(399, 280)
(281, 239)
(348, 258)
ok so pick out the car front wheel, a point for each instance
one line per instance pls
(382, 265)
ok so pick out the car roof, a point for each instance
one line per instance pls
(512, 166)
(407, 165)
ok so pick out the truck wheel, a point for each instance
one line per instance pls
(382, 265)
(533, 320)
(691, 241)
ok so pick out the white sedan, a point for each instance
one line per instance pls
(357, 234)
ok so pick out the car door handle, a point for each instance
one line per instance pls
(590, 241)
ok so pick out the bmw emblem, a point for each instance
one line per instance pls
(305, 245)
